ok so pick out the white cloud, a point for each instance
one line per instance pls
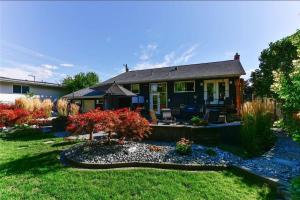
(67, 65)
(48, 66)
(147, 52)
(186, 55)
(23, 71)
(169, 59)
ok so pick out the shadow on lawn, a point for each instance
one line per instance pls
(251, 180)
(36, 164)
(26, 134)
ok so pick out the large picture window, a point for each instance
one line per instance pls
(135, 88)
(184, 86)
(20, 89)
(17, 89)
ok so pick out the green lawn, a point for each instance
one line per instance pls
(30, 169)
(295, 188)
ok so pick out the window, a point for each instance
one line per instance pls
(210, 91)
(17, 89)
(184, 86)
(135, 88)
(221, 91)
(20, 89)
(25, 89)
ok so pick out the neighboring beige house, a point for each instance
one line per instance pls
(11, 89)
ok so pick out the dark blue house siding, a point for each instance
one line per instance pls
(175, 100)
(185, 98)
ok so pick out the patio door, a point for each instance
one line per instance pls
(215, 91)
(155, 102)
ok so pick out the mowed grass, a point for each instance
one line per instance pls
(30, 169)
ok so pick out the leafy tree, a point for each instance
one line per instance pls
(278, 56)
(80, 81)
(125, 123)
(288, 90)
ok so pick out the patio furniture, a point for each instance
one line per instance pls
(167, 115)
(212, 115)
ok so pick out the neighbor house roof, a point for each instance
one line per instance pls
(27, 82)
(229, 68)
(99, 91)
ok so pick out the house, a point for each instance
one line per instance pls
(185, 88)
(11, 89)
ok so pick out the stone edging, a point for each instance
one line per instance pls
(281, 189)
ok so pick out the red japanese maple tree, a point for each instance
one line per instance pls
(125, 123)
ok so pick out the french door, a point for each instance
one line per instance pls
(215, 91)
(158, 97)
(155, 103)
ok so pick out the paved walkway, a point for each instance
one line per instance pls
(281, 163)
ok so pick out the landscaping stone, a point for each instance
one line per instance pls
(140, 152)
(281, 163)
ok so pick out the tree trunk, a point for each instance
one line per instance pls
(91, 131)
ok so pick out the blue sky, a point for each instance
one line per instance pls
(55, 39)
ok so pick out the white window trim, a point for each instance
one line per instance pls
(157, 93)
(184, 82)
(216, 88)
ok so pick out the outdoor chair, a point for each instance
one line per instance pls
(212, 116)
(167, 115)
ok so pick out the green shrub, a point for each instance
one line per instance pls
(210, 152)
(184, 146)
(295, 188)
(197, 121)
(256, 133)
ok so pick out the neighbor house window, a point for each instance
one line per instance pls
(184, 86)
(17, 89)
(135, 88)
(20, 89)
(25, 89)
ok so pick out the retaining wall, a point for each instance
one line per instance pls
(228, 133)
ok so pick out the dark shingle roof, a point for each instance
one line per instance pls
(99, 91)
(117, 90)
(220, 69)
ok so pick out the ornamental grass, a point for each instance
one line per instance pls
(62, 107)
(257, 120)
(74, 109)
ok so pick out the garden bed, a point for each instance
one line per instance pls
(142, 152)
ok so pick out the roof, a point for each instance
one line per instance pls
(229, 68)
(27, 82)
(118, 90)
(99, 91)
